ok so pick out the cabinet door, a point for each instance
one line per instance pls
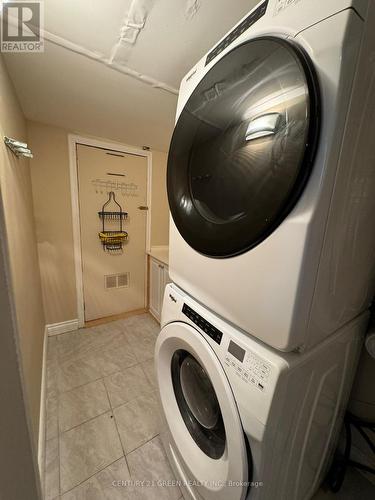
(155, 288)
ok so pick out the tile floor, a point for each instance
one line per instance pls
(103, 418)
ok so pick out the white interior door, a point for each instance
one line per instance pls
(113, 281)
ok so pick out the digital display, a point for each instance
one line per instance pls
(236, 351)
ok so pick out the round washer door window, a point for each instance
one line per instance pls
(243, 147)
(198, 403)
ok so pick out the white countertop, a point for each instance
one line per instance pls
(160, 253)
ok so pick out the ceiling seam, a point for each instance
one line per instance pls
(98, 57)
(73, 47)
(134, 22)
(192, 7)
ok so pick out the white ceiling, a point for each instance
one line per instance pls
(72, 84)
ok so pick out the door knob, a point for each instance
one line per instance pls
(143, 207)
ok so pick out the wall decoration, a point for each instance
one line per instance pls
(127, 189)
(112, 240)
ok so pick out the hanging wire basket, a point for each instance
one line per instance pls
(112, 240)
(113, 215)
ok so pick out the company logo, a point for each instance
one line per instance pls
(21, 26)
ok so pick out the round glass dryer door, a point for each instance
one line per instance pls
(243, 147)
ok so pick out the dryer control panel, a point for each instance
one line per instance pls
(248, 366)
(238, 30)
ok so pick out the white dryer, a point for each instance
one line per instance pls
(242, 419)
(270, 172)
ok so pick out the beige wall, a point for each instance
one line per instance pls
(16, 450)
(52, 205)
(160, 209)
(53, 217)
(16, 195)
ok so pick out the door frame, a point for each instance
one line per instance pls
(73, 141)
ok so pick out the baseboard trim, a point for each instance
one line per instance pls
(42, 414)
(154, 315)
(109, 319)
(64, 327)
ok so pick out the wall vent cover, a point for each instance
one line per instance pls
(116, 281)
(122, 280)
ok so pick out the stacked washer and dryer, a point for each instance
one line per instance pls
(271, 184)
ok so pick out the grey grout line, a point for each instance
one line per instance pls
(97, 472)
(141, 445)
(147, 393)
(109, 410)
(90, 477)
(100, 377)
(79, 386)
(58, 448)
(152, 391)
(144, 372)
(118, 433)
(109, 465)
(56, 361)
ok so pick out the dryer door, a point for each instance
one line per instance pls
(243, 147)
(201, 413)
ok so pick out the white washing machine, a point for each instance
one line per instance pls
(271, 172)
(242, 419)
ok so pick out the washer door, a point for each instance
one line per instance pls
(243, 147)
(201, 414)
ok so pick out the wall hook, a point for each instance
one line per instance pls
(18, 148)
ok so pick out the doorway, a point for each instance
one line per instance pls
(110, 281)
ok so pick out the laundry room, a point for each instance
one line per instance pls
(187, 250)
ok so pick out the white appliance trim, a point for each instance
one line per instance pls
(73, 141)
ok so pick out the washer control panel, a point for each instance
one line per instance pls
(203, 324)
(248, 366)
